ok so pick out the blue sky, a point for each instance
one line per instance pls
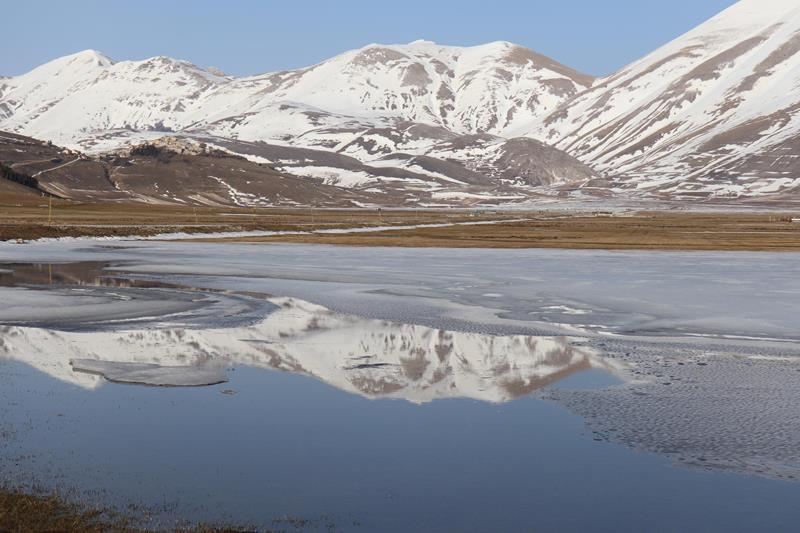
(249, 37)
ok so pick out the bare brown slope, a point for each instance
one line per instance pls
(58, 171)
(158, 175)
(217, 178)
(12, 193)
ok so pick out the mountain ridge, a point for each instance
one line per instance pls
(713, 114)
(694, 110)
(429, 83)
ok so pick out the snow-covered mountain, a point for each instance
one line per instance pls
(715, 112)
(497, 88)
(387, 103)
(710, 115)
(87, 93)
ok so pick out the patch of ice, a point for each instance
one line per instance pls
(152, 374)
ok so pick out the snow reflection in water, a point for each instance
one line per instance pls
(111, 321)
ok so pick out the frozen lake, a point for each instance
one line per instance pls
(394, 389)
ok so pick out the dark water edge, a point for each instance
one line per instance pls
(287, 445)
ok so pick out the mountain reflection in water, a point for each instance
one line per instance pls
(372, 358)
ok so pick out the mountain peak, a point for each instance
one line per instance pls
(91, 56)
(86, 62)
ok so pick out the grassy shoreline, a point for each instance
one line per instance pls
(663, 231)
(120, 220)
(645, 230)
(22, 512)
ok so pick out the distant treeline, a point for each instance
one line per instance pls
(146, 150)
(162, 155)
(10, 174)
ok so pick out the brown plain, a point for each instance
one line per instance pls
(44, 217)
(641, 231)
(659, 230)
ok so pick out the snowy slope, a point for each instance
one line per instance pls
(87, 92)
(497, 88)
(694, 116)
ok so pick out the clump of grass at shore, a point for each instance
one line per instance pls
(28, 513)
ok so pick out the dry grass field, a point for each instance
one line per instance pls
(65, 219)
(640, 231)
(656, 230)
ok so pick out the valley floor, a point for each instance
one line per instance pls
(619, 230)
(28, 222)
(638, 231)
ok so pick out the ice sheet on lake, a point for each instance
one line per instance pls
(626, 293)
(710, 407)
(90, 308)
(710, 339)
(152, 374)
